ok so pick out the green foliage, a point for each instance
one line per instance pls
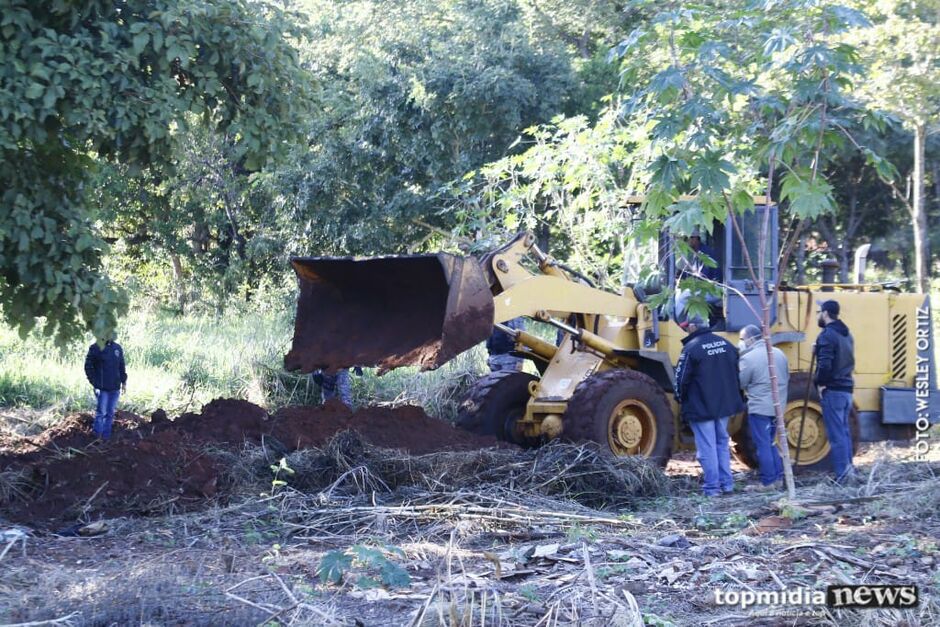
(528, 592)
(413, 96)
(579, 533)
(92, 82)
(174, 363)
(179, 363)
(715, 104)
(205, 237)
(734, 95)
(568, 186)
(184, 150)
(280, 469)
(366, 566)
(808, 197)
(333, 565)
(901, 47)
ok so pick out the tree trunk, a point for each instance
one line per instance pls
(921, 236)
(846, 253)
(801, 261)
(542, 236)
(179, 281)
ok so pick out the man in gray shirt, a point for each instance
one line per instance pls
(761, 417)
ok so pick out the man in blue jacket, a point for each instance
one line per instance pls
(696, 243)
(500, 346)
(104, 367)
(835, 361)
(707, 388)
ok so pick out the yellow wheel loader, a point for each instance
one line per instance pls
(610, 377)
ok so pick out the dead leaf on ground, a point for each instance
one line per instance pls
(93, 529)
(545, 550)
(770, 524)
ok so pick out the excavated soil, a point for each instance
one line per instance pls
(368, 313)
(64, 474)
(388, 312)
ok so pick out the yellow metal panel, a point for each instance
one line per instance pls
(566, 370)
(867, 393)
(528, 297)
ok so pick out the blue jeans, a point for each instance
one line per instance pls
(104, 412)
(334, 385)
(714, 454)
(836, 406)
(763, 430)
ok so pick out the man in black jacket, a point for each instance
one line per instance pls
(835, 361)
(104, 367)
(707, 388)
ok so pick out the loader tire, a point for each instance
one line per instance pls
(495, 403)
(624, 411)
(815, 455)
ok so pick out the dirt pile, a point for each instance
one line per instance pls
(157, 464)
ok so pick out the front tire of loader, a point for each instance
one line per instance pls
(624, 411)
(495, 403)
(814, 456)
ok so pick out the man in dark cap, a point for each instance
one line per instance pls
(707, 388)
(835, 361)
(700, 247)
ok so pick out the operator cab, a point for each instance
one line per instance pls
(739, 303)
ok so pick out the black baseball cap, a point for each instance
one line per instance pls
(831, 307)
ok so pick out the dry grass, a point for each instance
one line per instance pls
(348, 466)
(14, 484)
(469, 529)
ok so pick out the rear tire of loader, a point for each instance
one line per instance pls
(815, 455)
(495, 403)
(624, 411)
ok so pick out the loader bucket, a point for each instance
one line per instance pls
(388, 312)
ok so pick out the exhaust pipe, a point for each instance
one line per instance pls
(861, 260)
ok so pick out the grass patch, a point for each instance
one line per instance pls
(179, 363)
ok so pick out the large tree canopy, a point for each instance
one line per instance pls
(83, 83)
(413, 95)
(720, 104)
(190, 147)
(902, 52)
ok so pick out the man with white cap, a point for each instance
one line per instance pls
(761, 414)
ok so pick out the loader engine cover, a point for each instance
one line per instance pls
(387, 312)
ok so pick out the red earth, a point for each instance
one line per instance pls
(64, 474)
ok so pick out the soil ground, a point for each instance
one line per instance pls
(70, 476)
(182, 538)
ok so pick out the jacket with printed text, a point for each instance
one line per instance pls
(104, 367)
(707, 378)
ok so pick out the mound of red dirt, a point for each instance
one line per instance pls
(156, 464)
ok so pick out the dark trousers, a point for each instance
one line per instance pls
(836, 407)
(763, 430)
